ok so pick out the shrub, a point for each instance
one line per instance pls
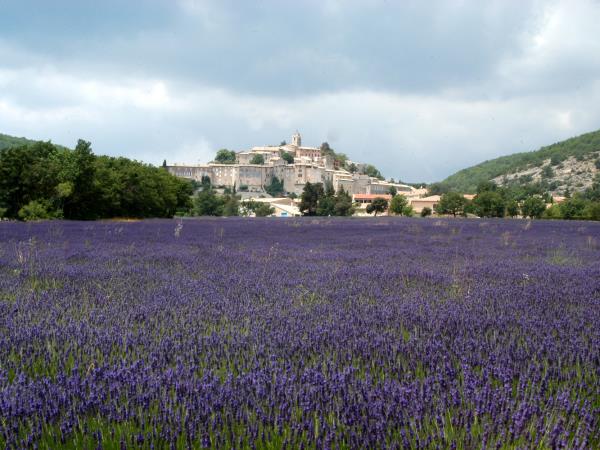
(408, 211)
(34, 210)
(264, 210)
(533, 207)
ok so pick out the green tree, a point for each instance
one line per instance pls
(225, 156)
(593, 192)
(437, 189)
(556, 159)
(326, 204)
(533, 207)
(231, 205)
(275, 188)
(343, 203)
(547, 172)
(25, 175)
(80, 204)
(309, 200)
(512, 208)
(573, 207)
(207, 203)
(372, 171)
(451, 203)
(426, 211)
(489, 204)
(287, 157)
(257, 159)
(392, 191)
(486, 186)
(398, 204)
(76, 184)
(378, 205)
(34, 210)
(553, 212)
(408, 211)
(341, 159)
(263, 210)
(591, 212)
(326, 149)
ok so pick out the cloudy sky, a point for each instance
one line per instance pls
(420, 89)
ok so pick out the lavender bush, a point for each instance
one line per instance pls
(271, 334)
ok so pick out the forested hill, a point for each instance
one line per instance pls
(570, 164)
(7, 141)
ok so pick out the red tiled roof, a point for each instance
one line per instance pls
(371, 196)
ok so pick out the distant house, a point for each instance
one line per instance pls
(283, 206)
(418, 204)
(368, 198)
(363, 200)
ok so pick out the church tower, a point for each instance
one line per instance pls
(296, 139)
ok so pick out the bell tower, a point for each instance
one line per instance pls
(296, 139)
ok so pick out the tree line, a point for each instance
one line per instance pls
(322, 200)
(41, 180)
(526, 201)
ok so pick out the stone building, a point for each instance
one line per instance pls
(309, 166)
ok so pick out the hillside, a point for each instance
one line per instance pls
(568, 164)
(7, 141)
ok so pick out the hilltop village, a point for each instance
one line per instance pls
(308, 164)
(294, 165)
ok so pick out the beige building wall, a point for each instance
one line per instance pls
(426, 202)
(191, 172)
(253, 175)
(244, 157)
(224, 174)
(311, 153)
(309, 166)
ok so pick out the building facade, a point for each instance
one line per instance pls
(309, 166)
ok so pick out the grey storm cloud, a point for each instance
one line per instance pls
(418, 88)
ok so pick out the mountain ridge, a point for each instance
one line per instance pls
(570, 164)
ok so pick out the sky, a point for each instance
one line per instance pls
(420, 89)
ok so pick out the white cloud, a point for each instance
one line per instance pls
(559, 53)
(545, 90)
(413, 137)
(198, 151)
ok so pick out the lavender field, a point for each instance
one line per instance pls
(272, 334)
